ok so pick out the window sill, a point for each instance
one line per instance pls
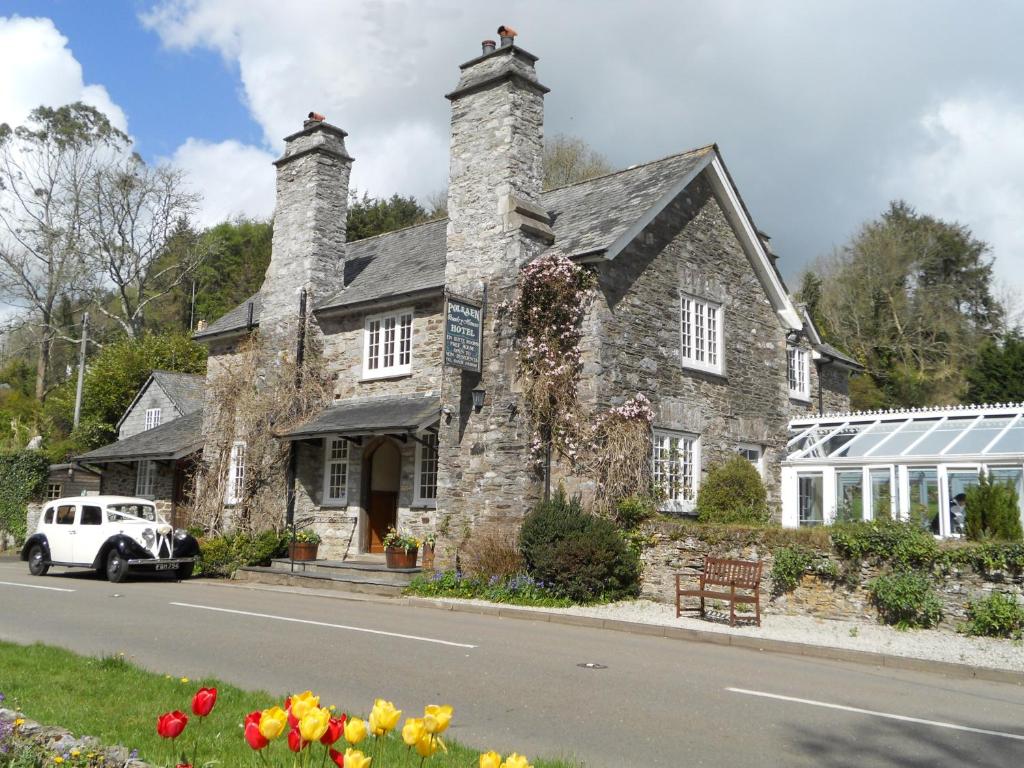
(798, 398)
(334, 504)
(694, 368)
(385, 376)
(424, 504)
(678, 507)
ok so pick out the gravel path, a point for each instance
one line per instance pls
(929, 644)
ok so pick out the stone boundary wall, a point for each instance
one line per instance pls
(671, 553)
(50, 741)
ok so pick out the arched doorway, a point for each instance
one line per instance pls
(383, 470)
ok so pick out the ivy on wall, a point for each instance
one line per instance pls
(22, 479)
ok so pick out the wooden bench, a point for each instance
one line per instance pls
(731, 574)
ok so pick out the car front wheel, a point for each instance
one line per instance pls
(117, 567)
(37, 564)
(185, 570)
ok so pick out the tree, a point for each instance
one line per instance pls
(997, 375)
(569, 159)
(910, 297)
(46, 169)
(134, 213)
(992, 511)
(112, 379)
(369, 216)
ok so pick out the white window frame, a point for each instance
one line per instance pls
(685, 501)
(759, 464)
(698, 341)
(153, 417)
(236, 473)
(145, 477)
(50, 491)
(340, 461)
(799, 359)
(379, 349)
(419, 500)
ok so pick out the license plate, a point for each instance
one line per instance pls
(166, 566)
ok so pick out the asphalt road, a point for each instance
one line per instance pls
(517, 685)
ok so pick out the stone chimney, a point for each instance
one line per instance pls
(495, 226)
(310, 218)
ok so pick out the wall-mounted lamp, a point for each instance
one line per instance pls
(478, 397)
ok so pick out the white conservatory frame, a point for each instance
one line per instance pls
(970, 439)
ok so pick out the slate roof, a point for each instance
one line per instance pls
(171, 440)
(405, 413)
(588, 217)
(184, 389)
(829, 351)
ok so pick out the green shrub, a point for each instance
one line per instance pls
(578, 555)
(733, 493)
(993, 511)
(22, 479)
(998, 615)
(633, 510)
(788, 565)
(223, 555)
(903, 545)
(906, 600)
(985, 558)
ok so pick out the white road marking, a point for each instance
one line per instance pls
(325, 624)
(887, 715)
(34, 586)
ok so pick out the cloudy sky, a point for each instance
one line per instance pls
(824, 111)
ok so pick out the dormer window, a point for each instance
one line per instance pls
(799, 373)
(700, 332)
(387, 345)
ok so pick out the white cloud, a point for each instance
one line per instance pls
(234, 179)
(40, 69)
(970, 167)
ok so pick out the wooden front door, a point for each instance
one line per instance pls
(384, 471)
(383, 511)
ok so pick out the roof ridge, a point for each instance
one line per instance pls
(394, 231)
(634, 167)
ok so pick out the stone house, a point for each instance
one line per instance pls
(690, 310)
(159, 439)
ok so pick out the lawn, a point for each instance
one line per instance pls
(118, 702)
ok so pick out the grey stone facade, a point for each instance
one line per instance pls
(121, 479)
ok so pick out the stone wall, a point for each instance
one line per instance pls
(820, 598)
(119, 480)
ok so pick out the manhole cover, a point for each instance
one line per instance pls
(591, 665)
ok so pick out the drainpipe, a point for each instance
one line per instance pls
(290, 478)
(819, 364)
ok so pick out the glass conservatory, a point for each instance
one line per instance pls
(911, 465)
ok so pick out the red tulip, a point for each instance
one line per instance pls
(203, 701)
(295, 742)
(253, 736)
(334, 730)
(337, 757)
(183, 765)
(171, 724)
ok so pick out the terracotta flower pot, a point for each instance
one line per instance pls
(302, 550)
(396, 557)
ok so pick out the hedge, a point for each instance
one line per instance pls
(22, 479)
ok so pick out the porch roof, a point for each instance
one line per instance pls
(171, 440)
(372, 416)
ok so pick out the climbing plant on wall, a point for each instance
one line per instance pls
(22, 478)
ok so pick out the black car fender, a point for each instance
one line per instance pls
(186, 547)
(36, 538)
(126, 546)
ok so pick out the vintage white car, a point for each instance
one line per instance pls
(110, 534)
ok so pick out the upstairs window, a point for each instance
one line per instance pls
(335, 470)
(153, 417)
(236, 474)
(675, 468)
(799, 373)
(144, 476)
(426, 471)
(387, 346)
(700, 327)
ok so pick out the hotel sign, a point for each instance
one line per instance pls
(463, 324)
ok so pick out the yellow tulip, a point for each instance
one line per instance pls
(436, 718)
(273, 721)
(490, 760)
(413, 730)
(302, 703)
(516, 761)
(356, 759)
(428, 745)
(314, 724)
(383, 717)
(355, 730)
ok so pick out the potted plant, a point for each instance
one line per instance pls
(400, 549)
(428, 549)
(303, 545)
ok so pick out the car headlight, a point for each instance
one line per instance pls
(180, 534)
(149, 536)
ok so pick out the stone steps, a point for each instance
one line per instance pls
(361, 576)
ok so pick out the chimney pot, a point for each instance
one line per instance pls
(316, 116)
(507, 35)
(488, 46)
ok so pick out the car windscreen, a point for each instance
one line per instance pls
(117, 512)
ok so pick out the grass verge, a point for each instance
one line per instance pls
(118, 703)
(513, 590)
